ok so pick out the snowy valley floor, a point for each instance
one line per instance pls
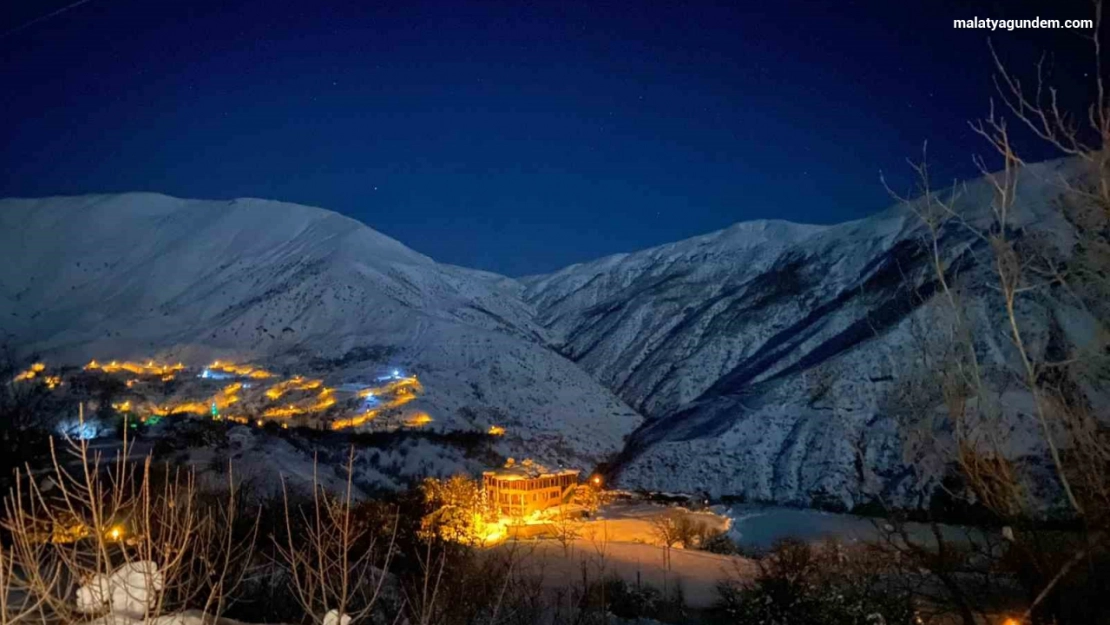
(621, 541)
(696, 572)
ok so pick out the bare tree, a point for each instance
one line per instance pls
(1037, 271)
(568, 529)
(590, 497)
(691, 532)
(117, 535)
(336, 563)
(667, 530)
(24, 428)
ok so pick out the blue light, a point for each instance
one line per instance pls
(75, 429)
(208, 374)
(87, 431)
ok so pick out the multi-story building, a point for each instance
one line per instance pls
(519, 491)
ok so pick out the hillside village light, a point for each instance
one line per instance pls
(29, 374)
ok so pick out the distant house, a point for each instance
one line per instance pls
(209, 374)
(525, 489)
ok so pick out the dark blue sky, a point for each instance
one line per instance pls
(517, 137)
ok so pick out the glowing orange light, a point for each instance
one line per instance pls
(243, 370)
(227, 396)
(282, 413)
(418, 420)
(324, 400)
(165, 371)
(355, 421)
(30, 374)
(296, 383)
(496, 430)
(192, 407)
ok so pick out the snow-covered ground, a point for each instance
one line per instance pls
(619, 540)
(631, 522)
(697, 572)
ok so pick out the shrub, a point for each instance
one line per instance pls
(22, 437)
(719, 542)
(801, 584)
(634, 602)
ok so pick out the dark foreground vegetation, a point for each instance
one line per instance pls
(419, 555)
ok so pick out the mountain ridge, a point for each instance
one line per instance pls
(760, 356)
(764, 371)
(142, 276)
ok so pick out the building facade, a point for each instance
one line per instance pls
(521, 491)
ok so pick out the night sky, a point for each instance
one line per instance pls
(517, 137)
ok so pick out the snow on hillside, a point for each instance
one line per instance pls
(139, 276)
(762, 354)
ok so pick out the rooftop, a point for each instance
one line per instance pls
(525, 470)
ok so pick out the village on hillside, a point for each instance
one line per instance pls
(146, 392)
(567, 516)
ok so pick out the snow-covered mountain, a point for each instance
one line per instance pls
(764, 355)
(139, 276)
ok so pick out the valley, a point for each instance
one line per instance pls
(758, 362)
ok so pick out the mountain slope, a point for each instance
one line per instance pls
(149, 276)
(767, 358)
(764, 356)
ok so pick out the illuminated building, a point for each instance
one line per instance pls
(522, 490)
